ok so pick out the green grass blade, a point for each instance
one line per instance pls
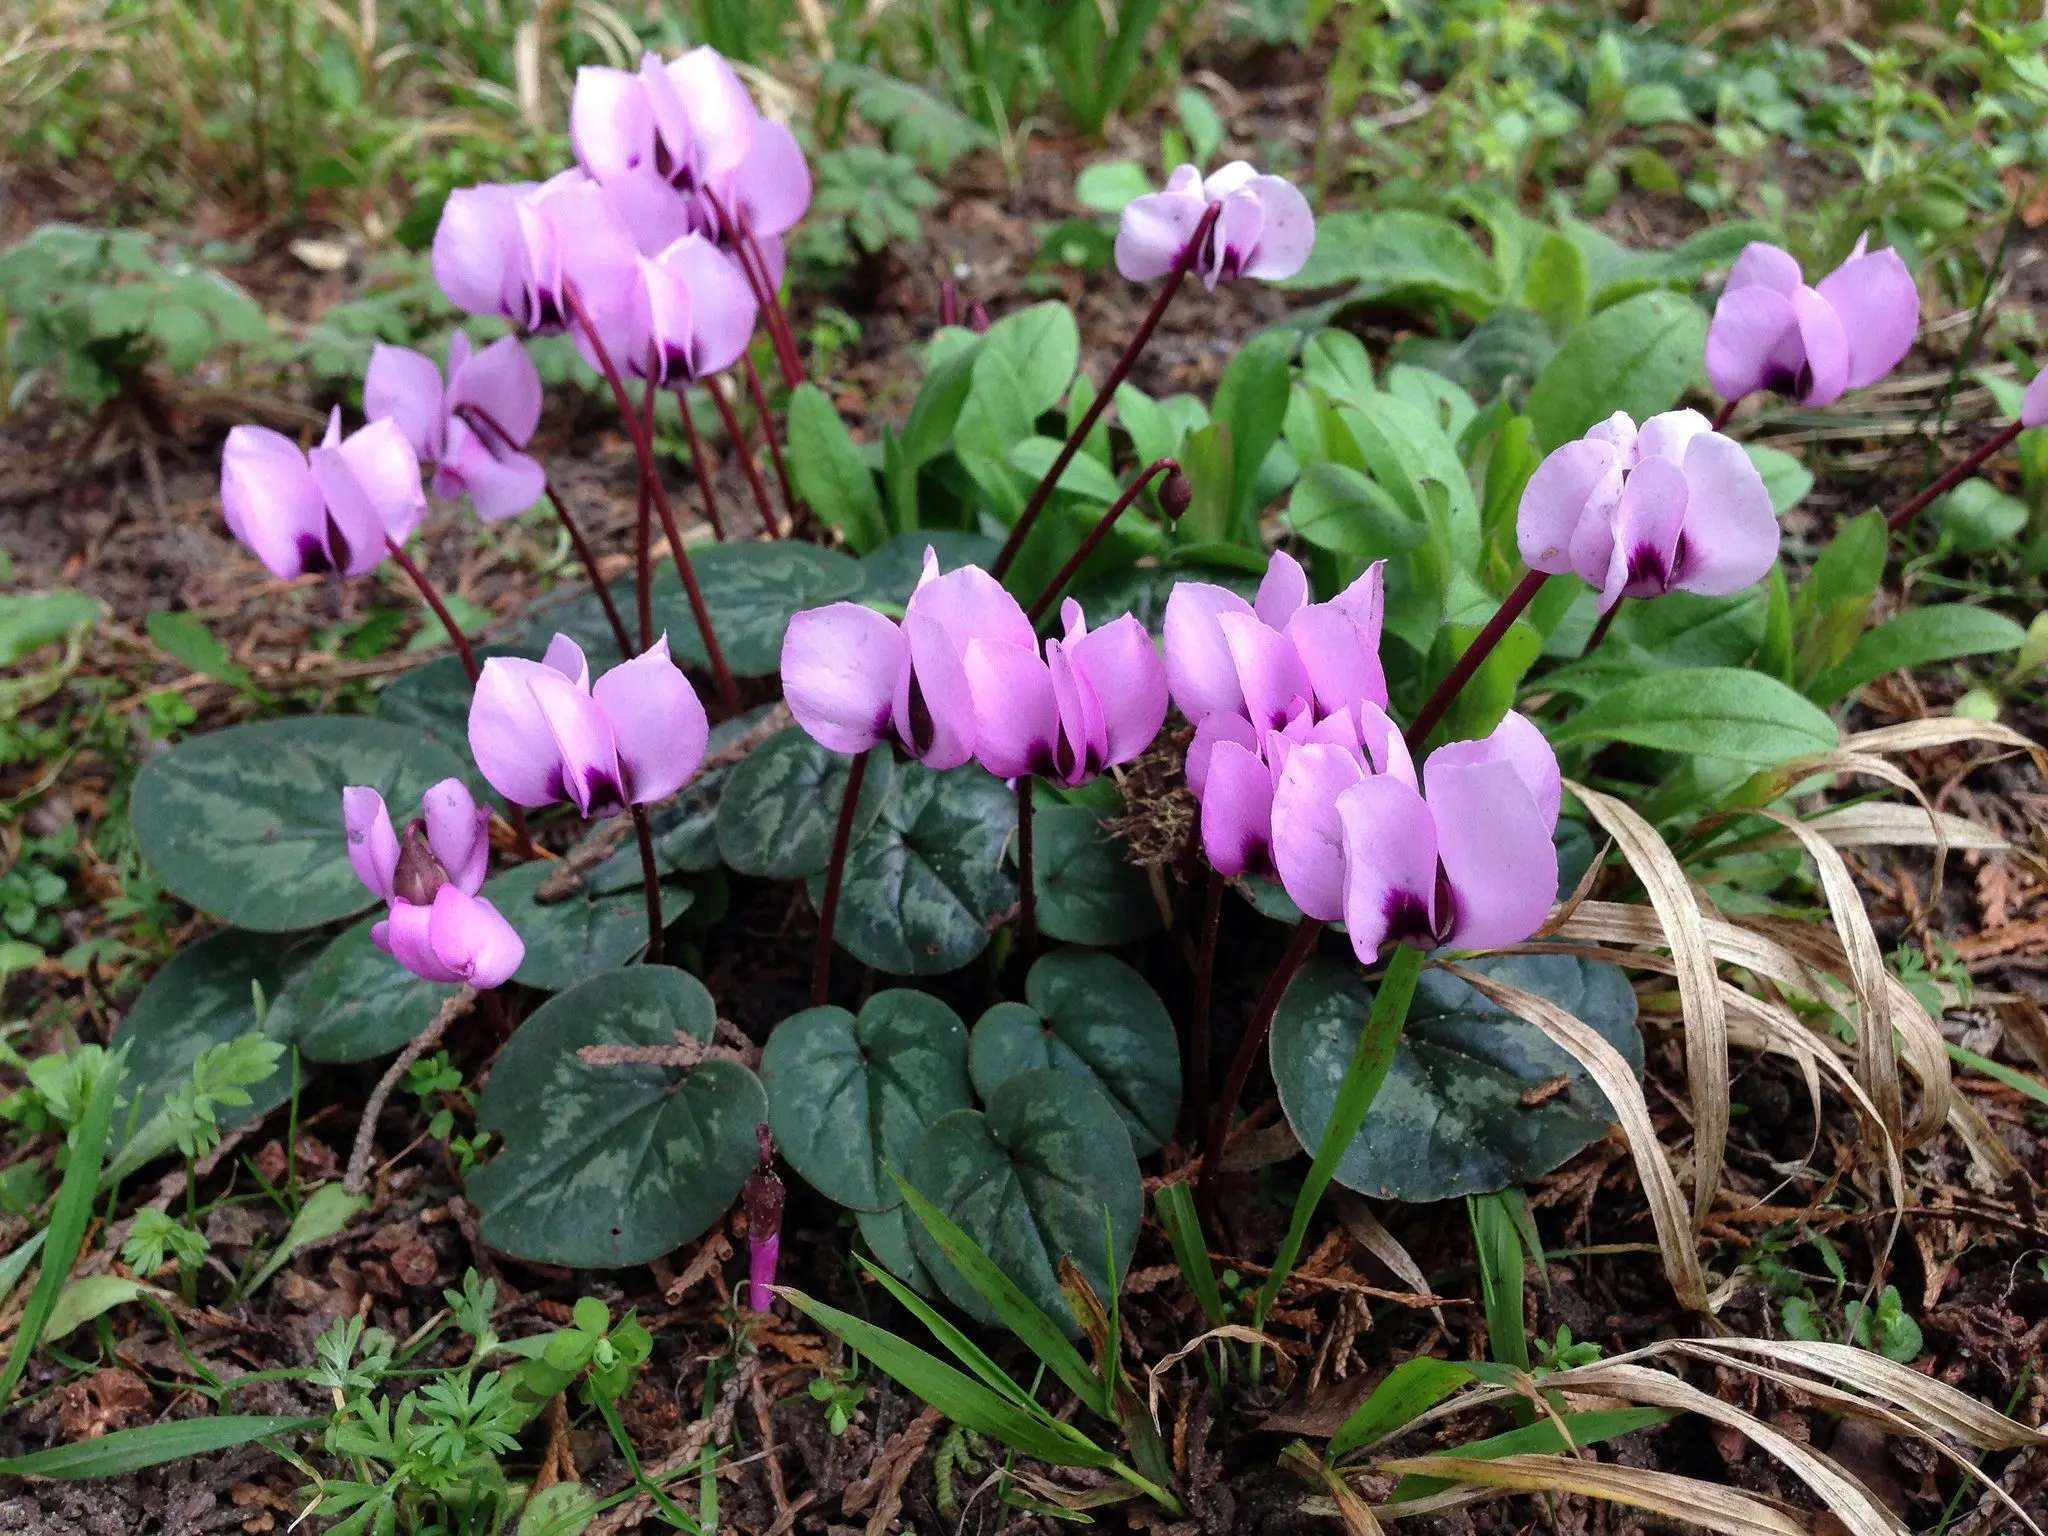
(2032, 1087)
(68, 1219)
(326, 1211)
(1539, 1439)
(1497, 1240)
(1410, 1390)
(963, 1349)
(1363, 1075)
(129, 1450)
(1175, 1208)
(1024, 1317)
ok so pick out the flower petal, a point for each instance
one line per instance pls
(1766, 266)
(372, 842)
(1749, 328)
(1237, 821)
(1731, 528)
(1647, 523)
(1517, 742)
(1495, 844)
(1215, 729)
(1016, 717)
(499, 482)
(271, 501)
(1826, 345)
(1082, 749)
(1200, 672)
(657, 724)
(473, 246)
(1880, 312)
(1576, 485)
(1234, 242)
(1339, 656)
(588, 757)
(1123, 669)
(934, 713)
(354, 527)
(2033, 404)
(1664, 436)
(1282, 590)
(1308, 837)
(383, 464)
(459, 832)
(1152, 232)
(611, 123)
(1268, 670)
(404, 386)
(841, 667)
(773, 183)
(722, 114)
(1390, 861)
(722, 306)
(472, 940)
(565, 656)
(1290, 229)
(509, 735)
(408, 934)
(502, 382)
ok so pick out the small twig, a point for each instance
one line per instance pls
(458, 1003)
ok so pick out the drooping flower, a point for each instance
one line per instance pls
(1234, 771)
(2034, 403)
(854, 677)
(437, 926)
(1092, 700)
(472, 431)
(329, 510)
(683, 315)
(1263, 228)
(1771, 331)
(1266, 661)
(512, 249)
(1673, 507)
(541, 732)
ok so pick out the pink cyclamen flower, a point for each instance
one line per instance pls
(330, 510)
(2034, 403)
(541, 732)
(438, 927)
(854, 677)
(1263, 227)
(762, 1196)
(514, 249)
(683, 315)
(458, 429)
(1673, 507)
(1092, 700)
(1771, 331)
(1235, 771)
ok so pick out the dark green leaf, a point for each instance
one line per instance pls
(435, 697)
(780, 809)
(1401, 253)
(1916, 638)
(830, 472)
(849, 1097)
(1638, 356)
(130, 1450)
(887, 1234)
(1554, 285)
(1089, 892)
(1336, 508)
(1338, 364)
(245, 823)
(1042, 345)
(354, 1002)
(1251, 401)
(606, 1166)
(571, 941)
(1746, 717)
(1407, 1392)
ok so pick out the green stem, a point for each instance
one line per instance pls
(1370, 1059)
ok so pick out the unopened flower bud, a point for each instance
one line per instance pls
(1176, 495)
(419, 875)
(762, 1196)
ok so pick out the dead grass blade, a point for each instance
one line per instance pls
(1946, 731)
(1357, 1218)
(1283, 1363)
(1356, 1514)
(1706, 1020)
(1708, 1505)
(1884, 824)
(1617, 1079)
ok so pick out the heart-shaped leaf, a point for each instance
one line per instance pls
(928, 882)
(1476, 1099)
(354, 1002)
(1092, 1015)
(435, 697)
(605, 1166)
(685, 828)
(887, 1234)
(849, 1096)
(1045, 1172)
(571, 941)
(245, 823)
(1088, 891)
(781, 806)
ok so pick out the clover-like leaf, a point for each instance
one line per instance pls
(849, 1096)
(611, 1165)
(1092, 1015)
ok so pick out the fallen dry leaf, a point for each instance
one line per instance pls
(105, 1400)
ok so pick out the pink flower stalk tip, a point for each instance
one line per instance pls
(437, 926)
(762, 1196)
(1092, 700)
(456, 429)
(1810, 344)
(854, 677)
(328, 510)
(1675, 506)
(541, 732)
(1263, 228)
(1461, 856)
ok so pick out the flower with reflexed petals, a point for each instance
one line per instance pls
(328, 510)
(437, 927)
(1771, 331)
(458, 429)
(1263, 227)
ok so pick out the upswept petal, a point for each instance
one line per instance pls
(1268, 670)
(1016, 717)
(1880, 312)
(1826, 346)
(1576, 484)
(587, 758)
(1390, 865)
(1498, 856)
(565, 656)
(1282, 590)
(471, 938)
(383, 464)
(404, 387)
(1234, 241)
(773, 183)
(722, 306)
(1731, 528)
(499, 482)
(372, 841)
(502, 381)
(1666, 435)
(1339, 657)
(1763, 265)
(658, 725)
(1122, 668)
(1647, 524)
(1308, 837)
(2034, 403)
(1237, 821)
(841, 667)
(1153, 231)
(407, 934)
(459, 832)
(355, 528)
(662, 337)
(509, 735)
(722, 114)
(1200, 672)
(611, 122)
(1517, 742)
(271, 501)
(472, 244)
(1082, 749)
(1749, 329)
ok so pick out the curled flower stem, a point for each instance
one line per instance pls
(650, 872)
(1027, 880)
(1299, 948)
(419, 579)
(1096, 535)
(481, 417)
(1205, 981)
(1722, 416)
(1481, 647)
(760, 396)
(1952, 476)
(835, 877)
(753, 470)
(1079, 435)
(700, 468)
(643, 445)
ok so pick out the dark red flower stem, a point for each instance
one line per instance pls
(1027, 879)
(481, 417)
(650, 874)
(747, 251)
(1079, 435)
(643, 528)
(835, 877)
(738, 439)
(700, 467)
(1951, 477)
(419, 579)
(1722, 415)
(643, 445)
(1481, 647)
(1299, 948)
(1096, 535)
(1600, 629)
(1197, 1074)
(760, 397)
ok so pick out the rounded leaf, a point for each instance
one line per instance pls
(1089, 892)
(245, 823)
(606, 1166)
(571, 941)
(354, 1002)
(1045, 1172)
(1476, 1099)
(781, 806)
(849, 1096)
(1092, 1015)
(887, 1234)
